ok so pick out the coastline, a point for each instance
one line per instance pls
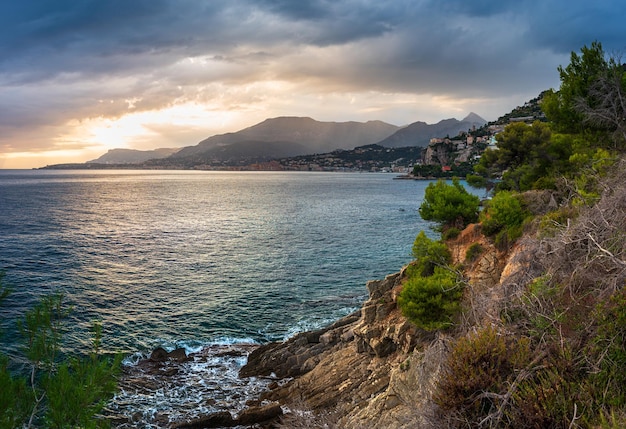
(375, 336)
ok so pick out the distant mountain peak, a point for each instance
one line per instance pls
(473, 117)
(419, 133)
(306, 135)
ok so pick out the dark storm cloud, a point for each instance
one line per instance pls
(67, 59)
(91, 35)
(39, 39)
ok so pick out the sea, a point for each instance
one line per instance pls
(198, 259)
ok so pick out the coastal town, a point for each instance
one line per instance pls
(442, 154)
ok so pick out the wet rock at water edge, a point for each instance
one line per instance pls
(260, 414)
(248, 417)
(161, 355)
(158, 355)
(213, 420)
(179, 355)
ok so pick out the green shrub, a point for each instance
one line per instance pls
(450, 205)
(78, 391)
(549, 398)
(450, 233)
(429, 254)
(553, 221)
(58, 392)
(473, 252)
(609, 345)
(503, 211)
(431, 302)
(476, 181)
(16, 398)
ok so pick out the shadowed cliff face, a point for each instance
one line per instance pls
(374, 368)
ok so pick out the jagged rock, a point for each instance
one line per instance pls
(293, 357)
(158, 355)
(347, 335)
(383, 347)
(161, 355)
(214, 420)
(260, 414)
(179, 355)
(406, 401)
(352, 362)
(377, 370)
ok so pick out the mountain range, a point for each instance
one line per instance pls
(291, 136)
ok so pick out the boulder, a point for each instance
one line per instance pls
(261, 414)
(214, 420)
(179, 355)
(158, 355)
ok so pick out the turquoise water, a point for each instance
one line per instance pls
(194, 258)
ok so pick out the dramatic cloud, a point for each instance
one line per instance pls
(78, 78)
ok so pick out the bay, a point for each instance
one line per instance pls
(189, 258)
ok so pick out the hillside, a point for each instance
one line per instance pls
(306, 135)
(132, 156)
(516, 316)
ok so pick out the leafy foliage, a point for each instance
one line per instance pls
(504, 210)
(431, 302)
(59, 392)
(567, 302)
(576, 81)
(586, 114)
(450, 233)
(473, 252)
(610, 344)
(524, 155)
(78, 391)
(431, 297)
(451, 205)
(15, 397)
(503, 218)
(429, 254)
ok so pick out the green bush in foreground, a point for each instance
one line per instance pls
(429, 254)
(503, 218)
(57, 392)
(503, 211)
(431, 297)
(450, 205)
(431, 302)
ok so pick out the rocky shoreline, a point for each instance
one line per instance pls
(372, 368)
(336, 370)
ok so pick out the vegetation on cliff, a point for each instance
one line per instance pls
(450, 205)
(518, 321)
(553, 352)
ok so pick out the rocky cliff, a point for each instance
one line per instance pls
(374, 368)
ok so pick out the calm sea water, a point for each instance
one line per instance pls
(195, 258)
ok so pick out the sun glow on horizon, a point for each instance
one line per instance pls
(147, 129)
(210, 110)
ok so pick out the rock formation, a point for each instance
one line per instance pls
(374, 368)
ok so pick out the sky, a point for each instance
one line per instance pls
(80, 77)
